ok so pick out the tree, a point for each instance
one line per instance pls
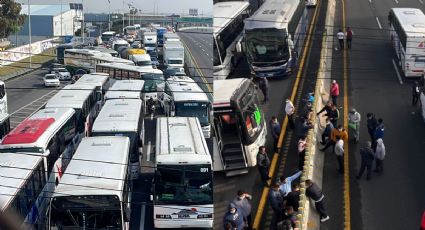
(11, 18)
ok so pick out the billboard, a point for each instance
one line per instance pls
(193, 12)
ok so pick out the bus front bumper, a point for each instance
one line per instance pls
(189, 223)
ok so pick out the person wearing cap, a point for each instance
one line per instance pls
(290, 110)
(276, 200)
(334, 91)
(234, 217)
(354, 119)
(241, 202)
(367, 157)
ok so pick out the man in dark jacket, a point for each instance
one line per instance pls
(276, 200)
(416, 90)
(263, 164)
(263, 84)
(367, 157)
(293, 198)
(275, 130)
(326, 135)
(315, 193)
(327, 108)
(235, 217)
(333, 115)
(372, 123)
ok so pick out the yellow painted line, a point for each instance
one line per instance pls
(264, 195)
(347, 211)
(198, 69)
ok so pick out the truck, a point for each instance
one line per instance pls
(173, 54)
(149, 40)
(160, 31)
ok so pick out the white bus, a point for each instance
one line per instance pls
(50, 134)
(3, 98)
(102, 83)
(106, 36)
(274, 37)
(408, 39)
(82, 61)
(126, 89)
(81, 98)
(154, 78)
(228, 26)
(123, 117)
(183, 184)
(183, 97)
(4, 124)
(95, 190)
(239, 125)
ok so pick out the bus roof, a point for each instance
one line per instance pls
(129, 89)
(225, 89)
(118, 115)
(97, 79)
(71, 96)
(15, 169)
(37, 130)
(98, 167)
(185, 88)
(140, 69)
(272, 14)
(99, 55)
(412, 20)
(225, 12)
(171, 149)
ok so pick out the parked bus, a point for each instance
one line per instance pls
(273, 38)
(102, 84)
(407, 35)
(3, 98)
(95, 190)
(82, 61)
(153, 78)
(183, 97)
(239, 125)
(51, 135)
(4, 124)
(183, 184)
(123, 117)
(81, 98)
(126, 89)
(228, 27)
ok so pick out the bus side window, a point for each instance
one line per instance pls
(2, 91)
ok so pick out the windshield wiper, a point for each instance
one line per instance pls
(72, 218)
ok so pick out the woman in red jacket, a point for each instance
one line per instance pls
(334, 91)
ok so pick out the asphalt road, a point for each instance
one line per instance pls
(394, 200)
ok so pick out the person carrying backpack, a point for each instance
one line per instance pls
(349, 37)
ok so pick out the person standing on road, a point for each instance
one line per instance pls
(302, 144)
(334, 91)
(290, 215)
(263, 164)
(263, 84)
(340, 35)
(372, 123)
(379, 132)
(290, 110)
(416, 90)
(349, 36)
(276, 200)
(338, 132)
(234, 217)
(367, 157)
(285, 183)
(326, 135)
(354, 119)
(315, 193)
(293, 198)
(339, 152)
(275, 130)
(242, 203)
(379, 156)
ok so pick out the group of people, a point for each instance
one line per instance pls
(348, 36)
(238, 216)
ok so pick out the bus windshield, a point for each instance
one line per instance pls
(267, 45)
(152, 82)
(86, 212)
(184, 184)
(193, 109)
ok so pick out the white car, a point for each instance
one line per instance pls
(51, 79)
(63, 74)
(310, 2)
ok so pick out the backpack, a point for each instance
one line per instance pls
(349, 34)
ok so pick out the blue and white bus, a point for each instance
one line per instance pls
(274, 36)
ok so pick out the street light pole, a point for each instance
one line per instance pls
(29, 31)
(83, 26)
(109, 18)
(123, 15)
(61, 18)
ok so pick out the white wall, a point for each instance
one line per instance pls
(67, 23)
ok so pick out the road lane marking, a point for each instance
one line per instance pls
(148, 151)
(421, 1)
(142, 217)
(396, 71)
(396, 1)
(370, 1)
(265, 193)
(379, 24)
(346, 191)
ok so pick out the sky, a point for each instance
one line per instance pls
(147, 6)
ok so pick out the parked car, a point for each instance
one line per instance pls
(63, 74)
(54, 67)
(51, 79)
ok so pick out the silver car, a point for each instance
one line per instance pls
(63, 74)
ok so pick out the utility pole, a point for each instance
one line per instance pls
(84, 26)
(61, 18)
(29, 31)
(109, 15)
(123, 14)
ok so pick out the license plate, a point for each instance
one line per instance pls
(185, 216)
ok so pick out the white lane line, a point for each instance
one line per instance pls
(421, 1)
(207, 54)
(396, 1)
(379, 24)
(142, 217)
(398, 74)
(370, 1)
(148, 151)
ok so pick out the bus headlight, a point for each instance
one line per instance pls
(203, 216)
(163, 216)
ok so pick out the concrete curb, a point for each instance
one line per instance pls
(314, 159)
